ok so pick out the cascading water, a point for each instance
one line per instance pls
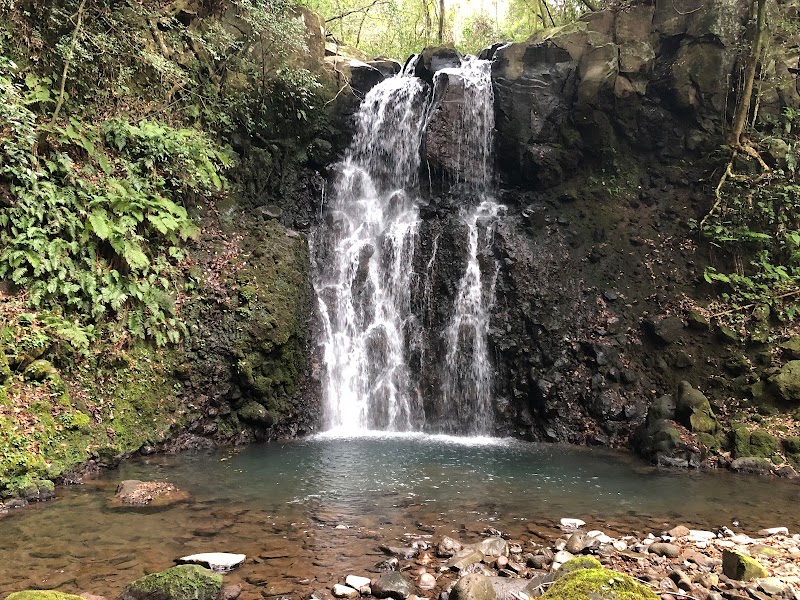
(363, 257)
(362, 265)
(467, 370)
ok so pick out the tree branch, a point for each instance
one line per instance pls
(67, 62)
(363, 9)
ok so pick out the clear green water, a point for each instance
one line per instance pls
(281, 503)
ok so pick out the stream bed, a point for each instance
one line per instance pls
(310, 511)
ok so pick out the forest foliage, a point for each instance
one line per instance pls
(117, 121)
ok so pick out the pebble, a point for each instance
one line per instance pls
(773, 531)
(427, 581)
(220, 562)
(344, 591)
(663, 549)
(358, 583)
(571, 524)
(562, 556)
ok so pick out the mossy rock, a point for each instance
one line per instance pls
(741, 567)
(253, 412)
(184, 582)
(762, 444)
(792, 347)
(693, 409)
(787, 382)
(597, 584)
(580, 562)
(792, 445)
(39, 370)
(5, 369)
(740, 440)
(41, 595)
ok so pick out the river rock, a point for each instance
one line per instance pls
(133, 492)
(679, 532)
(447, 547)
(773, 531)
(562, 556)
(700, 535)
(571, 524)
(426, 581)
(358, 583)
(464, 558)
(741, 567)
(229, 592)
(787, 382)
(184, 582)
(344, 591)
(473, 587)
(752, 464)
(392, 585)
(577, 542)
(405, 553)
(493, 546)
(216, 561)
(663, 549)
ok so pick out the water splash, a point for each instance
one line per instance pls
(362, 258)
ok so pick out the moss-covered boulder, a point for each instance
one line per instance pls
(762, 444)
(693, 410)
(597, 584)
(580, 562)
(791, 348)
(41, 595)
(741, 567)
(787, 383)
(184, 582)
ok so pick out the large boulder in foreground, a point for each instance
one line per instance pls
(597, 584)
(736, 565)
(474, 587)
(184, 582)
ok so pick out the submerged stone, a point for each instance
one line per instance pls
(216, 561)
(133, 492)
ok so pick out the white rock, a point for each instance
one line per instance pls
(794, 551)
(358, 583)
(600, 537)
(344, 591)
(701, 545)
(699, 535)
(774, 531)
(620, 546)
(216, 561)
(725, 544)
(744, 540)
(426, 581)
(571, 524)
(562, 556)
(342, 526)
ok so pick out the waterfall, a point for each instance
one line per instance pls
(467, 371)
(362, 258)
(363, 262)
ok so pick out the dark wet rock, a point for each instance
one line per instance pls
(184, 582)
(791, 348)
(434, 59)
(387, 66)
(392, 585)
(133, 492)
(663, 549)
(666, 330)
(752, 464)
(741, 567)
(473, 587)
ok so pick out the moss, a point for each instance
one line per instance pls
(740, 441)
(792, 445)
(580, 562)
(762, 444)
(736, 565)
(597, 584)
(184, 582)
(41, 595)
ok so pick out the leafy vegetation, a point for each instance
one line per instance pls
(399, 28)
(756, 231)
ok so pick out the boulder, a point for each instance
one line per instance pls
(473, 587)
(693, 410)
(464, 558)
(581, 562)
(752, 464)
(493, 546)
(736, 565)
(387, 66)
(787, 382)
(662, 549)
(392, 585)
(432, 60)
(359, 75)
(791, 348)
(253, 412)
(597, 584)
(184, 582)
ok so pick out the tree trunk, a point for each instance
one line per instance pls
(441, 22)
(743, 107)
